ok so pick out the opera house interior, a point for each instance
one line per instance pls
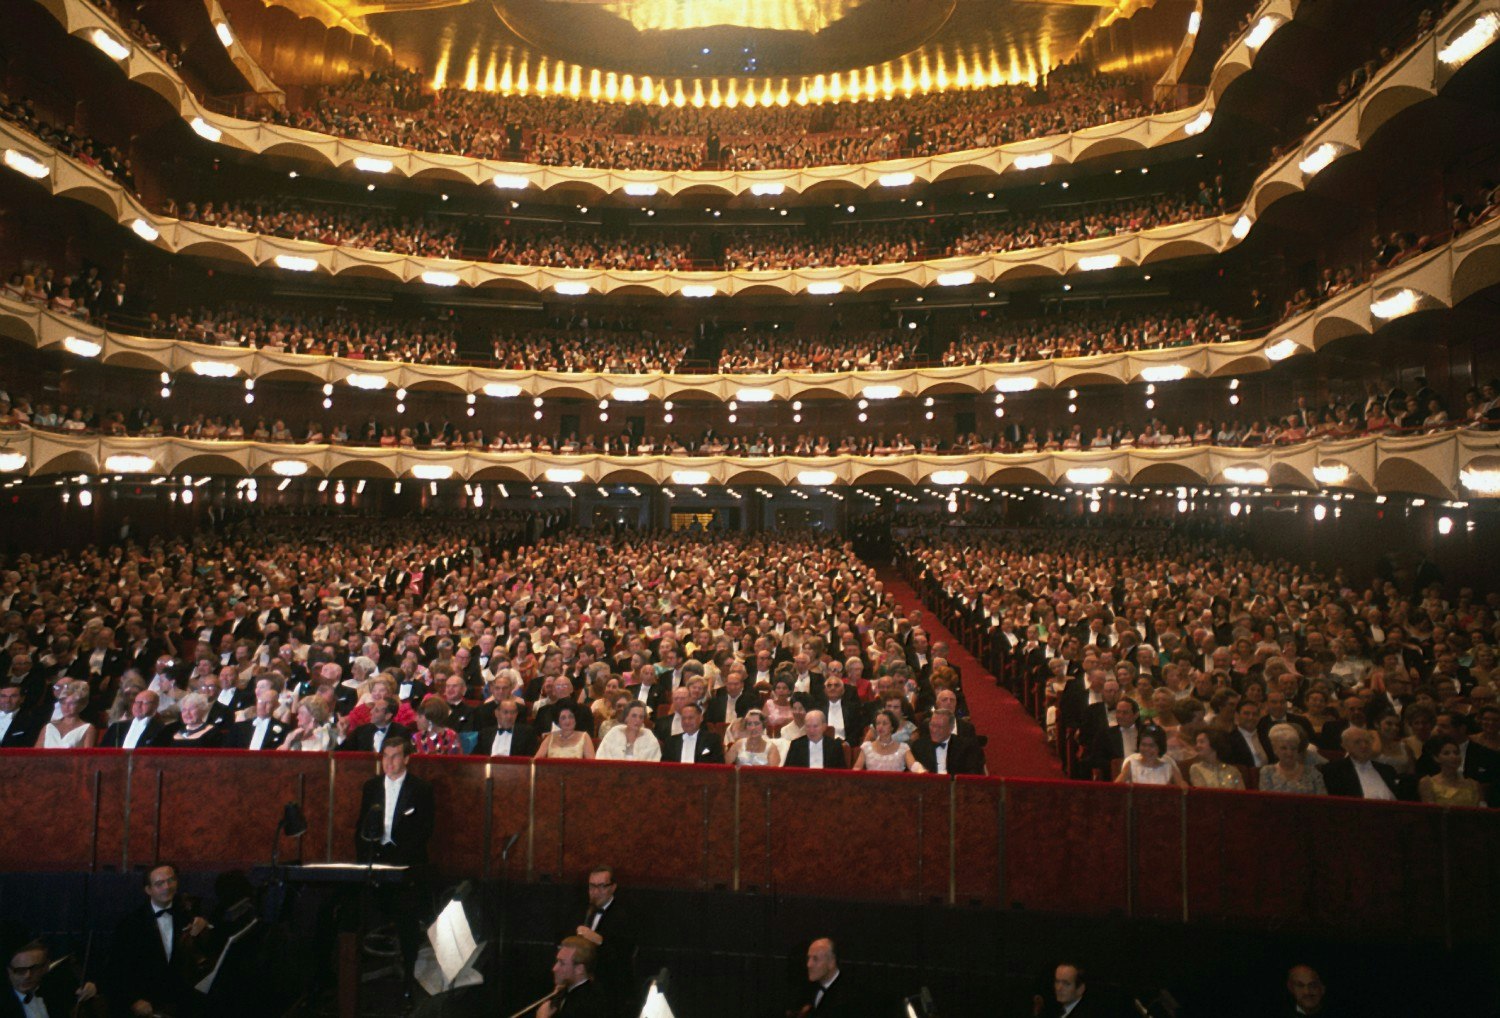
(427, 426)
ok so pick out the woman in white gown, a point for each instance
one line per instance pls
(754, 750)
(631, 740)
(69, 731)
(311, 734)
(882, 752)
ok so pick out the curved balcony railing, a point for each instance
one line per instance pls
(1428, 464)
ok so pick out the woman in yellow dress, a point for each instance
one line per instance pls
(1448, 787)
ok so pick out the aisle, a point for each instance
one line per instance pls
(1017, 746)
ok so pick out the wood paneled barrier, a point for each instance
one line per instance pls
(1242, 859)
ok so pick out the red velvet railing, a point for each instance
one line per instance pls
(1083, 849)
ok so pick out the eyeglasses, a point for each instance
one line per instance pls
(600, 887)
(22, 970)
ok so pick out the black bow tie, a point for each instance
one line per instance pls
(26, 998)
(505, 731)
(162, 911)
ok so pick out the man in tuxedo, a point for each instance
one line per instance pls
(1307, 991)
(159, 951)
(1245, 747)
(732, 702)
(607, 926)
(1119, 740)
(1475, 761)
(818, 747)
(1070, 993)
(143, 728)
(830, 994)
(370, 737)
(576, 993)
(16, 729)
(693, 745)
(1277, 713)
(845, 715)
(38, 988)
(507, 736)
(1358, 775)
(944, 752)
(396, 819)
(262, 731)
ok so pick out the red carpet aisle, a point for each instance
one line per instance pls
(1017, 746)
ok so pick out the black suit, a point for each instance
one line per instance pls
(362, 739)
(523, 741)
(965, 756)
(710, 748)
(1240, 753)
(839, 1000)
(24, 729)
(156, 734)
(615, 968)
(242, 733)
(854, 717)
(717, 708)
(58, 991)
(799, 753)
(586, 1000)
(141, 969)
(411, 825)
(1341, 779)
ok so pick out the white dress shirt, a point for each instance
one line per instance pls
(836, 717)
(261, 726)
(1257, 752)
(37, 1008)
(392, 793)
(689, 747)
(135, 731)
(165, 931)
(501, 745)
(1371, 783)
(5, 721)
(815, 752)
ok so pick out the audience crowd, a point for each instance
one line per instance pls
(565, 245)
(478, 636)
(1168, 657)
(1008, 340)
(106, 158)
(391, 108)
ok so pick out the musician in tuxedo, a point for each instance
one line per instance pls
(945, 752)
(396, 820)
(507, 735)
(17, 729)
(370, 737)
(1358, 775)
(162, 947)
(37, 987)
(818, 747)
(262, 731)
(1070, 996)
(829, 993)
(607, 926)
(142, 729)
(576, 993)
(694, 744)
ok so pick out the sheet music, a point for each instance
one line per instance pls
(354, 867)
(452, 940)
(206, 983)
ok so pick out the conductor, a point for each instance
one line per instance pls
(396, 822)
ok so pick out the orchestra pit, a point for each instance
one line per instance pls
(483, 482)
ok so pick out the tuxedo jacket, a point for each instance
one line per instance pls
(241, 733)
(548, 714)
(140, 968)
(523, 743)
(965, 756)
(854, 716)
(58, 991)
(718, 705)
(799, 753)
(1341, 779)
(411, 826)
(24, 729)
(616, 966)
(362, 739)
(156, 734)
(1240, 753)
(838, 1000)
(710, 748)
(586, 1000)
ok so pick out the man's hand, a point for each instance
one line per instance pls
(196, 927)
(546, 1010)
(142, 1008)
(590, 935)
(87, 992)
